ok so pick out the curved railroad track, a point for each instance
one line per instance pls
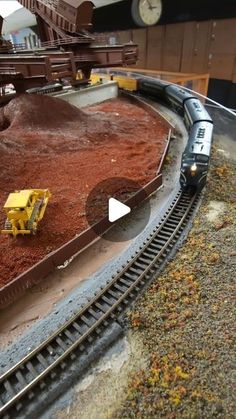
(32, 374)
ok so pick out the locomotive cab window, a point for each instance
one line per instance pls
(188, 156)
(202, 158)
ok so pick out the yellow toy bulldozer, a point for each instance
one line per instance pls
(24, 210)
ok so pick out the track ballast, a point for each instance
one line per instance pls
(31, 375)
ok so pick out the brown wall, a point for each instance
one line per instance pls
(190, 47)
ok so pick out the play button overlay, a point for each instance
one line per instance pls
(119, 203)
(117, 210)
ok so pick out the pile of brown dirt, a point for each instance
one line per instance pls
(51, 144)
(39, 111)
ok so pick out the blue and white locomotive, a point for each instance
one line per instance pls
(196, 155)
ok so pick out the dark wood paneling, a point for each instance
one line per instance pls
(140, 38)
(155, 47)
(223, 37)
(173, 46)
(221, 66)
(188, 47)
(125, 36)
(234, 71)
(201, 47)
(222, 49)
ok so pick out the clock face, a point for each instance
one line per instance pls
(146, 12)
(150, 11)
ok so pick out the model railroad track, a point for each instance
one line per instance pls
(24, 380)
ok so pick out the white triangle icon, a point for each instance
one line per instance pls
(116, 209)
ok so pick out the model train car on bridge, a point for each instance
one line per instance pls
(48, 88)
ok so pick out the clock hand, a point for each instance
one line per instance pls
(149, 4)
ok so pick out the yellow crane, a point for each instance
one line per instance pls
(24, 210)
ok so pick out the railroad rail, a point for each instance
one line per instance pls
(21, 383)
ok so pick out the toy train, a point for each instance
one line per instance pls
(196, 155)
(195, 158)
(48, 88)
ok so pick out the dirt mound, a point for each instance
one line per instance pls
(31, 111)
(52, 123)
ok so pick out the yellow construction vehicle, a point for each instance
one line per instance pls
(24, 210)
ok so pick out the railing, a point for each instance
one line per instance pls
(69, 40)
(19, 47)
(106, 39)
(197, 82)
(7, 70)
(54, 43)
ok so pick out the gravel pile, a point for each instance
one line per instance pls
(186, 320)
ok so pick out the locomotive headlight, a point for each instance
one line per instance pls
(193, 169)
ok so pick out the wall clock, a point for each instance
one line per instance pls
(146, 12)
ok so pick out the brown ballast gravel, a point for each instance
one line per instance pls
(186, 320)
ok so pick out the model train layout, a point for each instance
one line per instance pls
(117, 209)
(196, 155)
